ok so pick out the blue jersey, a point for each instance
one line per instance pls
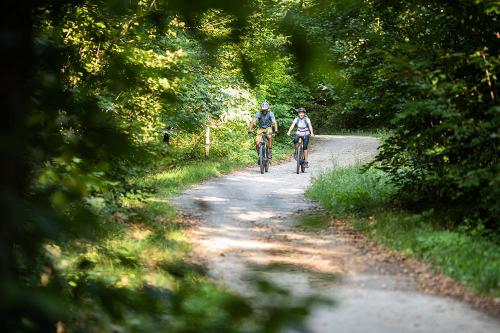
(264, 120)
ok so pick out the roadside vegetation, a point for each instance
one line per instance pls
(367, 199)
(427, 72)
(380, 133)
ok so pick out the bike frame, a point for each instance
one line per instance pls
(263, 151)
(299, 153)
(263, 144)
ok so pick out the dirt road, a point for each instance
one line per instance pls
(249, 220)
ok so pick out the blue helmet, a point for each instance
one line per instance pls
(264, 106)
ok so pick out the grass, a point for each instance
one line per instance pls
(365, 199)
(347, 190)
(141, 258)
(380, 133)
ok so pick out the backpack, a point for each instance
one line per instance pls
(306, 121)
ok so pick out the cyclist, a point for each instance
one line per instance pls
(304, 130)
(264, 119)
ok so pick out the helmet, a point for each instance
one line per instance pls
(299, 110)
(264, 106)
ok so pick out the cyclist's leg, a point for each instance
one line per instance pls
(258, 138)
(269, 132)
(306, 151)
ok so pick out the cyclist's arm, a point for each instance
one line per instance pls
(251, 125)
(253, 122)
(292, 126)
(275, 123)
(310, 127)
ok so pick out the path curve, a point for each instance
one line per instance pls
(247, 221)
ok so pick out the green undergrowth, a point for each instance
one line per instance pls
(141, 256)
(380, 133)
(367, 199)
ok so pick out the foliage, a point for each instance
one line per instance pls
(102, 78)
(428, 71)
(443, 150)
(348, 190)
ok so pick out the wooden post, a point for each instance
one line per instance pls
(207, 140)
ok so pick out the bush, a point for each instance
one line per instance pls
(352, 190)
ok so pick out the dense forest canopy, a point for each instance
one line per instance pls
(87, 87)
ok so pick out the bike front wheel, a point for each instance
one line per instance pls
(262, 161)
(299, 159)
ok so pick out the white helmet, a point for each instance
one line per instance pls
(264, 106)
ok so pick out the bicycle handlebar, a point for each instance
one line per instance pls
(264, 134)
(293, 136)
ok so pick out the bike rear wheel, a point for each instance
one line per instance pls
(262, 161)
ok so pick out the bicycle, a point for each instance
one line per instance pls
(299, 153)
(264, 160)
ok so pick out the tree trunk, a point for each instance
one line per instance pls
(16, 75)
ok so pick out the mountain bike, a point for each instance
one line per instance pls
(264, 160)
(299, 153)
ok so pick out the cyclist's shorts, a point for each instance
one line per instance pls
(305, 140)
(268, 130)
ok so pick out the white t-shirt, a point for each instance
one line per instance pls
(302, 126)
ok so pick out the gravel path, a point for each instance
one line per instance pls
(247, 221)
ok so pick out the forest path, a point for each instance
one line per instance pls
(248, 221)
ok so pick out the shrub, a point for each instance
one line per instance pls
(352, 190)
